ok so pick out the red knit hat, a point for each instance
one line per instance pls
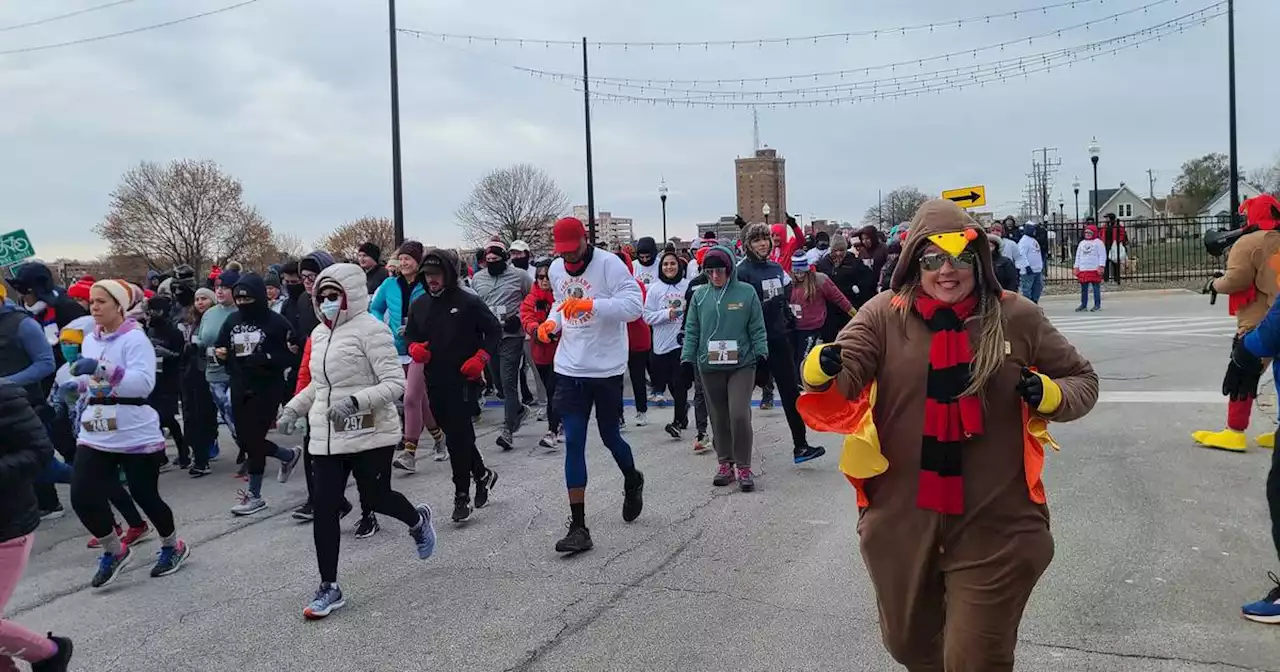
(80, 290)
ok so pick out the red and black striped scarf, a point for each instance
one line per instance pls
(950, 419)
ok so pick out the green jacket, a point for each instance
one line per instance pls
(732, 313)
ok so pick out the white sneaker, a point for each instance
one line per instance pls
(406, 461)
(548, 441)
(440, 452)
(642, 419)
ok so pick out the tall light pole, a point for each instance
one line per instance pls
(1095, 150)
(1075, 187)
(397, 184)
(1231, 93)
(662, 196)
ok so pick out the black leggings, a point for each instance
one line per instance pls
(372, 469)
(200, 418)
(96, 477)
(548, 374)
(666, 374)
(452, 413)
(254, 415)
(782, 368)
(123, 501)
(637, 366)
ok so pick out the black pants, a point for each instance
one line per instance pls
(548, 374)
(666, 375)
(782, 370)
(372, 470)
(200, 418)
(308, 470)
(95, 478)
(1273, 499)
(452, 411)
(167, 408)
(255, 410)
(637, 366)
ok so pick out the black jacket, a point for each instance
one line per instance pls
(775, 300)
(1006, 272)
(257, 340)
(853, 278)
(164, 334)
(24, 452)
(454, 325)
(373, 278)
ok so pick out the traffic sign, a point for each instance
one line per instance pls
(14, 247)
(969, 197)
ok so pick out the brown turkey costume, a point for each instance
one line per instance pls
(955, 533)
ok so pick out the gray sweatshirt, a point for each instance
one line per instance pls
(503, 294)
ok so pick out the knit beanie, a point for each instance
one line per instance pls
(716, 258)
(71, 336)
(496, 247)
(80, 290)
(228, 278)
(799, 262)
(207, 294)
(371, 250)
(120, 291)
(412, 248)
(839, 243)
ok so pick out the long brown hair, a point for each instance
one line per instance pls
(988, 353)
(808, 281)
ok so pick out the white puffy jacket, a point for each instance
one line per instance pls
(353, 357)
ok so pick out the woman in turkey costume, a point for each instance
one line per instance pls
(953, 523)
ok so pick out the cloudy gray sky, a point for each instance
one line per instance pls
(291, 97)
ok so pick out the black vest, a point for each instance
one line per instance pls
(13, 357)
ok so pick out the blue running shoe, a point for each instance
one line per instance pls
(424, 533)
(109, 567)
(328, 599)
(214, 451)
(170, 559)
(1266, 610)
(807, 453)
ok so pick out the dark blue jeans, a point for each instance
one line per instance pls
(574, 399)
(1084, 294)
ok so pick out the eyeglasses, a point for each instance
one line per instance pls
(934, 261)
(331, 296)
(309, 277)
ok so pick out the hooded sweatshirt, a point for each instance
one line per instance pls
(1091, 254)
(781, 254)
(504, 293)
(391, 303)
(770, 282)
(257, 339)
(127, 362)
(727, 321)
(455, 324)
(533, 312)
(298, 308)
(665, 295)
(639, 336)
(594, 344)
(647, 275)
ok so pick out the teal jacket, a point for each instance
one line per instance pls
(731, 313)
(390, 307)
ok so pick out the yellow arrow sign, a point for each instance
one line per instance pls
(969, 197)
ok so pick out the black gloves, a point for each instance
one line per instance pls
(1243, 372)
(1031, 387)
(1208, 286)
(831, 360)
(542, 306)
(762, 372)
(742, 223)
(686, 374)
(791, 221)
(512, 324)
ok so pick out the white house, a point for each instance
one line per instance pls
(1124, 203)
(1220, 205)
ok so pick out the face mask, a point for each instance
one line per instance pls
(70, 352)
(822, 244)
(330, 309)
(294, 291)
(497, 267)
(522, 263)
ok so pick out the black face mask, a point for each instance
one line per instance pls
(497, 267)
(521, 263)
(293, 290)
(822, 244)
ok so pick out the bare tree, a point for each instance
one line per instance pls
(344, 241)
(897, 206)
(186, 212)
(516, 203)
(1267, 178)
(289, 245)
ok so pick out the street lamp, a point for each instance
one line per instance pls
(662, 196)
(1075, 187)
(766, 210)
(1095, 150)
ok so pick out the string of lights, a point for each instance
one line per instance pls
(122, 33)
(1017, 62)
(67, 15)
(846, 36)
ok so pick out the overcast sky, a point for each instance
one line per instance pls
(291, 97)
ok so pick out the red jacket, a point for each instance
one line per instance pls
(531, 316)
(639, 335)
(304, 369)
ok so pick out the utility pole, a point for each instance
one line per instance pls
(591, 187)
(1043, 172)
(397, 183)
(1151, 189)
(1231, 93)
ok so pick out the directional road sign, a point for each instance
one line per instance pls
(14, 247)
(969, 197)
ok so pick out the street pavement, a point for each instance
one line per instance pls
(1158, 544)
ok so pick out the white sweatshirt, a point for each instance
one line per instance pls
(594, 345)
(1091, 255)
(126, 369)
(647, 275)
(657, 314)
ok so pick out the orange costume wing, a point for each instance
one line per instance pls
(860, 457)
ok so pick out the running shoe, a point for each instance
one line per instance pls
(541, 415)
(61, 661)
(766, 400)
(461, 508)
(524, 414)
(746, 480)
(440, 452)
(96, 543)
(548, 441)
(166, 466)
(54, 513)
(287, 466)
(484, 485)
(196, 471)
(701, 444)
(367, 527)
(183, 464)
(633, 496)
(505, 441)
(109, 567)
(170, 559)
(247, 504)
(406, 459)
(577, 540)
(673, 430)
(1266, 610)
(424, 533)
(134, 535)
(305, 513)
(807, 453)
(724, 475)
(655, 398)
(642, 419)
(214, 451)
(328, 599)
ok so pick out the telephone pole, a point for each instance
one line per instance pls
(1151, 189)
(1043, 172)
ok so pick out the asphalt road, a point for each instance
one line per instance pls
(1158, 545)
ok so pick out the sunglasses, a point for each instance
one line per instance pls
(934, 261)
(331, 296)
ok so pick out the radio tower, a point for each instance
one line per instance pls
(755, 128)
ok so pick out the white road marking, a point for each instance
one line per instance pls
(1162, 397)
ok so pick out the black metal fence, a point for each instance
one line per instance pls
(1150, 250)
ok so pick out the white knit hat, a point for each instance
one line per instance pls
(125, 294)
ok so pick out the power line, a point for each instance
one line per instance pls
(59, 17)
(132, 31)
(761, 41)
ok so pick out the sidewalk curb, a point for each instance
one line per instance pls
(1118, 294)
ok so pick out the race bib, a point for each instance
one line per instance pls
(211, 355)
(772, 287)
(868, 262)
(357, 424)
(99, 419)
(159, 363)
(796, 309)
(722, 352)
(245, 343)
(499, 312)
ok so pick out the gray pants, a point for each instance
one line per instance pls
(699, 403)
(539, 390)
(729, 400)
(507, 363)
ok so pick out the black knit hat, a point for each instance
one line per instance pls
(371, 250)
(412, 248)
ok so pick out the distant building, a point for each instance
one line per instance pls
(725, 229)
(1124, 203)
(762, 179)
(610, 230)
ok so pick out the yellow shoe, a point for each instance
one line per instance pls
(1267, 440)
(1227, 439)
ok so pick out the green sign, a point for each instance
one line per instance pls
(14, 247)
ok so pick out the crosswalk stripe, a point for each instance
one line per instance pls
(1213, 326)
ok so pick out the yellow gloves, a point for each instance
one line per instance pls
(821, 365)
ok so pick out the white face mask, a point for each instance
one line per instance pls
(330, 309)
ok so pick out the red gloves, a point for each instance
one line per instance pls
(473, 368)
(420, 352)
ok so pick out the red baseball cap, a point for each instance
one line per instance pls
(568, 234)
